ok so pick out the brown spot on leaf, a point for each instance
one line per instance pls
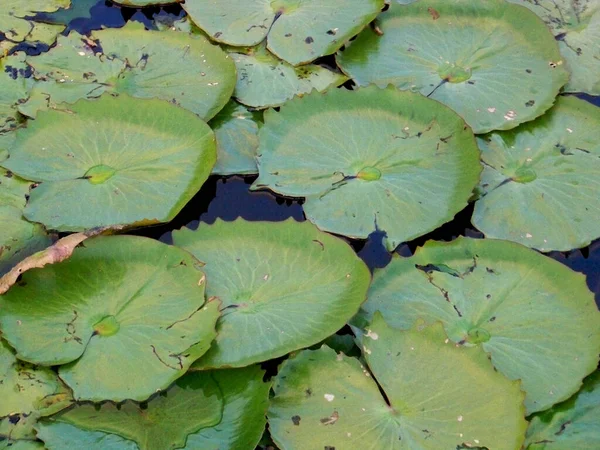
(296, 420)
(309, 40)
(434, 14)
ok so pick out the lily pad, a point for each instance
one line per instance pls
(112, 161)
(370, 159)
(298, 31)
(194, 402)
(178, 67)
(541, 181)
(574, 424)
(524, 309)
(13, 16)
(440, 397)
(493, 62)
(134, 322)
(264, 81)
(284, 286)
(13, 88)
(18, 237)
(27, 393)
(576, 25)
(245, 403)
(236, 130)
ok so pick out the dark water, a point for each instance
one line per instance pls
(229, 198)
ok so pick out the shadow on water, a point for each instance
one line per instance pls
(229, 198)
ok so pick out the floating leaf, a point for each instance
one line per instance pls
(135, 318)
(18, 237)
(574, 424)
(27, 393)
(264, 81)
(112, 161)
(284, 286)
(14, 24)
(524, 309)
(576, 25)
(245, 403)
(298, 31)
(236, 130)
(440, 396)
(541, 181)
(493, 62)
(181, 68)
(370, 159)
(13, 88)
(193, 403)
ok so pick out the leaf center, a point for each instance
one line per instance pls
(107, 326)
(454, 74)
(369, 174)
(99, 174)
(478, 335)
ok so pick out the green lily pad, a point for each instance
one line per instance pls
(299, 31)
(112, 161)
(541, 181)
(440, 397)
(284, 286)
(245, 403)
(13, 88)
(524, 309)
(236, 130)
(181, 68)
(194, 402)
(264, 81)
(576, 25)
(27, 393)
(152, 326)
(13, 22)
(574, 424)
(370, 159)
(18, 237)
(493, 62)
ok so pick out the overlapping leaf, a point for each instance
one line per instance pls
(493, 62)
(120, 305)
(439, 396)
(541, 181)
(532, 315)
(576, 25)
(370, 159)
(181, 68)
(286, 285)
(112, 161)
(299, 31)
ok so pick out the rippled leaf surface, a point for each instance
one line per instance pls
(299, 31)
(574, 424)
(576, 25)
(541, 181)
(531, 314)
(112, 161)
(124, 316)
(284, 286)
(491, 61)
(370, 159)
(264, 80)
(440, 396)
(194, 402)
